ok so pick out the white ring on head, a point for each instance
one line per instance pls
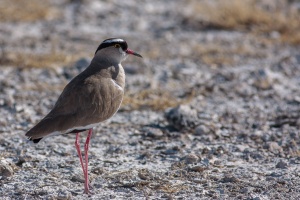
(113, 40)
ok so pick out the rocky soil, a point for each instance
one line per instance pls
(209, 113)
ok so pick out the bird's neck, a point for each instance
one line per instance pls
(119, 75)
(110, 69)
(102, 62)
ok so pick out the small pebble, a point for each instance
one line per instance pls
(274, 147)
(202, 130)
(98, 170)
(5, 170)
(230, 179)
(197, 168)
(64, 195)
(282, 165)
(182, 117)
(153, 132)
(77, 178)
(190, 159)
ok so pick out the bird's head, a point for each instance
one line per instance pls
(114, 49)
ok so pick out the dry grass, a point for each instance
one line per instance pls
(231, 14)
(154, 99)
(219, 53)
(215, 54)
(32, 60)
(247, 15)
(30, 10)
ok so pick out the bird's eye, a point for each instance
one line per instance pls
(117, 46)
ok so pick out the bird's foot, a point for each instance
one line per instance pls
(87, 190)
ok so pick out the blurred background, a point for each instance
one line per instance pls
(177, 38)
(215, 33)
(70, 28)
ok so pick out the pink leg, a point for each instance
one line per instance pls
(77, 145)
(84, 168)
(86, 149)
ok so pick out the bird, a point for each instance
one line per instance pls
(90, 98)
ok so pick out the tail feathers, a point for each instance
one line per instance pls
(44, 128)
(36, 135)
(33, 136)
(35, 140)
(52, 126)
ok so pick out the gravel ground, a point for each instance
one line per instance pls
(232, 133)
